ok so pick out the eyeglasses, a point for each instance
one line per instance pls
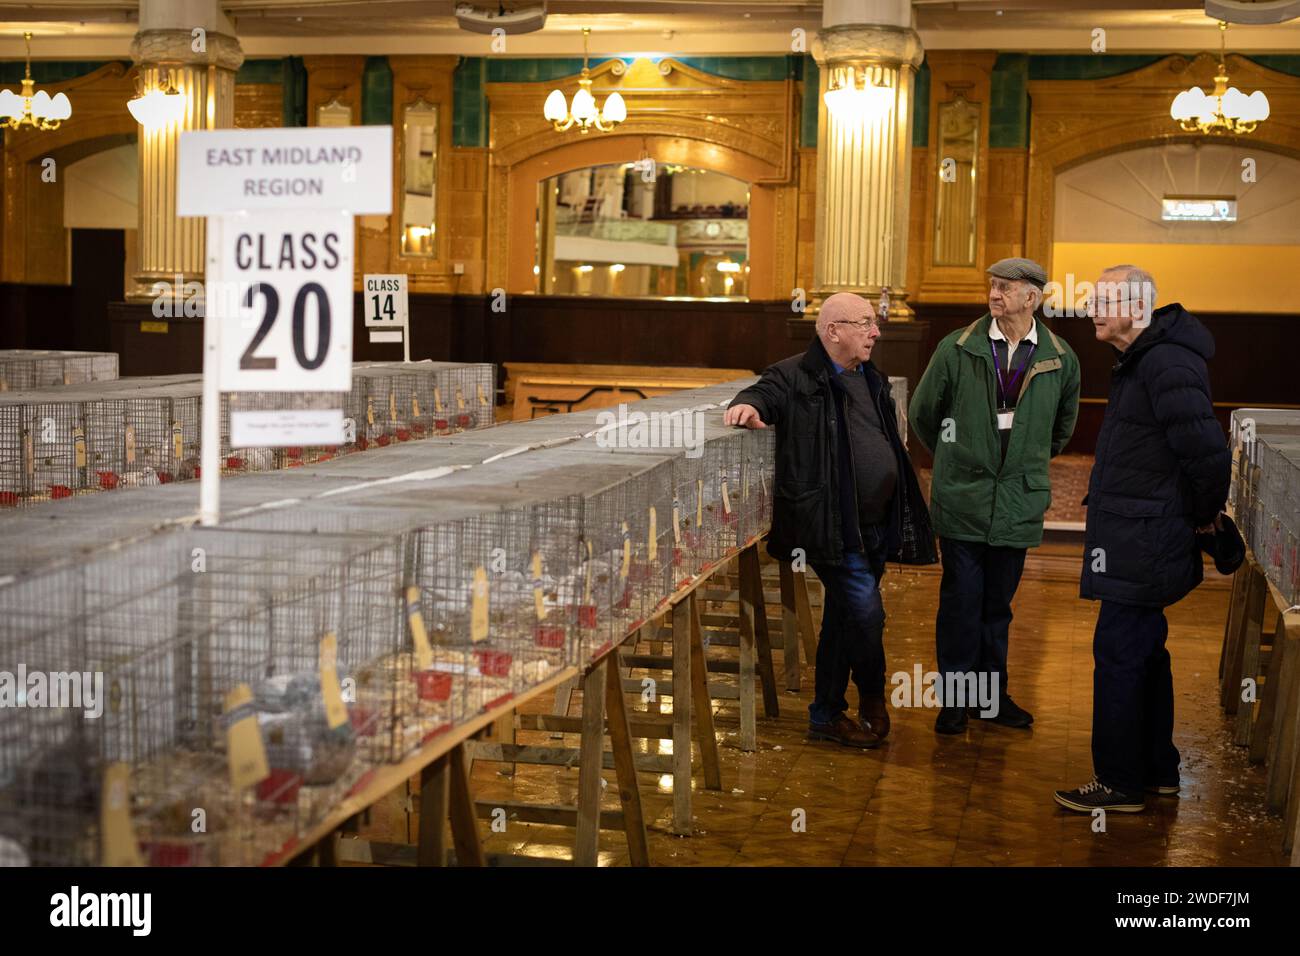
(865, 324)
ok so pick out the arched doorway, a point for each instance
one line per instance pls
(676, 115)
(1074, 123)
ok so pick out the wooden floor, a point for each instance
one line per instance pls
(981, 799)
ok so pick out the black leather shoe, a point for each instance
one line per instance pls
(951, 720)
(1010, 714)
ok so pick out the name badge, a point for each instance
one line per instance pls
(1005, 418)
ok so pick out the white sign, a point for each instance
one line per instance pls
(349, 168)
(280, 289)
(387, 312)
(282, 428)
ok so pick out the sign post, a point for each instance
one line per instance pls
(387, 310)
(278, 292)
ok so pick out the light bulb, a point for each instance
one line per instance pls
(615, 109)
(11, 104)
(556, 108)
(584, 106)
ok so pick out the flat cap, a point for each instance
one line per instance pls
(1018, 268)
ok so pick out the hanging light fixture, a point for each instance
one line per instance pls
(583, 112)
(38, 110)
(159, 107)
(1226, 110)
(859, 93)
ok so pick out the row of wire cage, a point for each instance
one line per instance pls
(22, 369)
(243, 679)
(1265, 492)
(100, 436)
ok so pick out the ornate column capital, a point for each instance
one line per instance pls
(177, 46)
(876, 43)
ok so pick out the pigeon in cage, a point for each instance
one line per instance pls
(298, 738)
(187, 470)
(144, 478)
(251, 459)
(12, 853)
(60, 800)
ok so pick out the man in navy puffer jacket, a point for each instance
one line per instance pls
(1161, 476)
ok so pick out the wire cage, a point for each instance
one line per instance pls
(487, 588)
(271, 613)
(759, 451)
(13, 455)
(430, 580)
(56, 456)
(22, 369)
(91, 645)
(712, 522)
(1266, 491)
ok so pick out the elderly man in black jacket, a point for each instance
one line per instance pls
(1160, 477)
(846, 497)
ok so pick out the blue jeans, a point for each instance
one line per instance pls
(853, 628)
(972, 627)
(1132, 699)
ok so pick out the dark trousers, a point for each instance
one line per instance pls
(853, 628)
(971, 629)
(1132, 699)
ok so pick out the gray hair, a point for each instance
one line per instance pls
(1141, 285)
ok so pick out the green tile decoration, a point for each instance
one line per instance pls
(921, 107)
(261, 71)
(752, 68)
(812, 81)
(377, 92)
(49, 71)
(1087, 66)
(1009, 109)
(295, 91)
(469, 103)
(1287, 63)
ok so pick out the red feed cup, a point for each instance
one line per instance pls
(548, 635)
(494, 663)
(280, 787)
(432, 685)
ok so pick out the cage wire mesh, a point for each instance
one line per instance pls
(1266, 491)
(512, 565)
(129, 432)
(41, 368)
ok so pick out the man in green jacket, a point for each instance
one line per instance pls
(997, 402)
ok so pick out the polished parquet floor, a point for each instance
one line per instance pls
(978, 800)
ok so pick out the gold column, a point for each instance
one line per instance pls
(168, 245)
(864, 163)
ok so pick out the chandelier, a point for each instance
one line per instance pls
(37, 110)
(583, 113)
(1227, 110)
(159, 107)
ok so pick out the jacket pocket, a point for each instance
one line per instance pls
(1124, 534)
(801, 519)
(1038, 495)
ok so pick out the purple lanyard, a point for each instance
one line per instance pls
(1005, 388)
